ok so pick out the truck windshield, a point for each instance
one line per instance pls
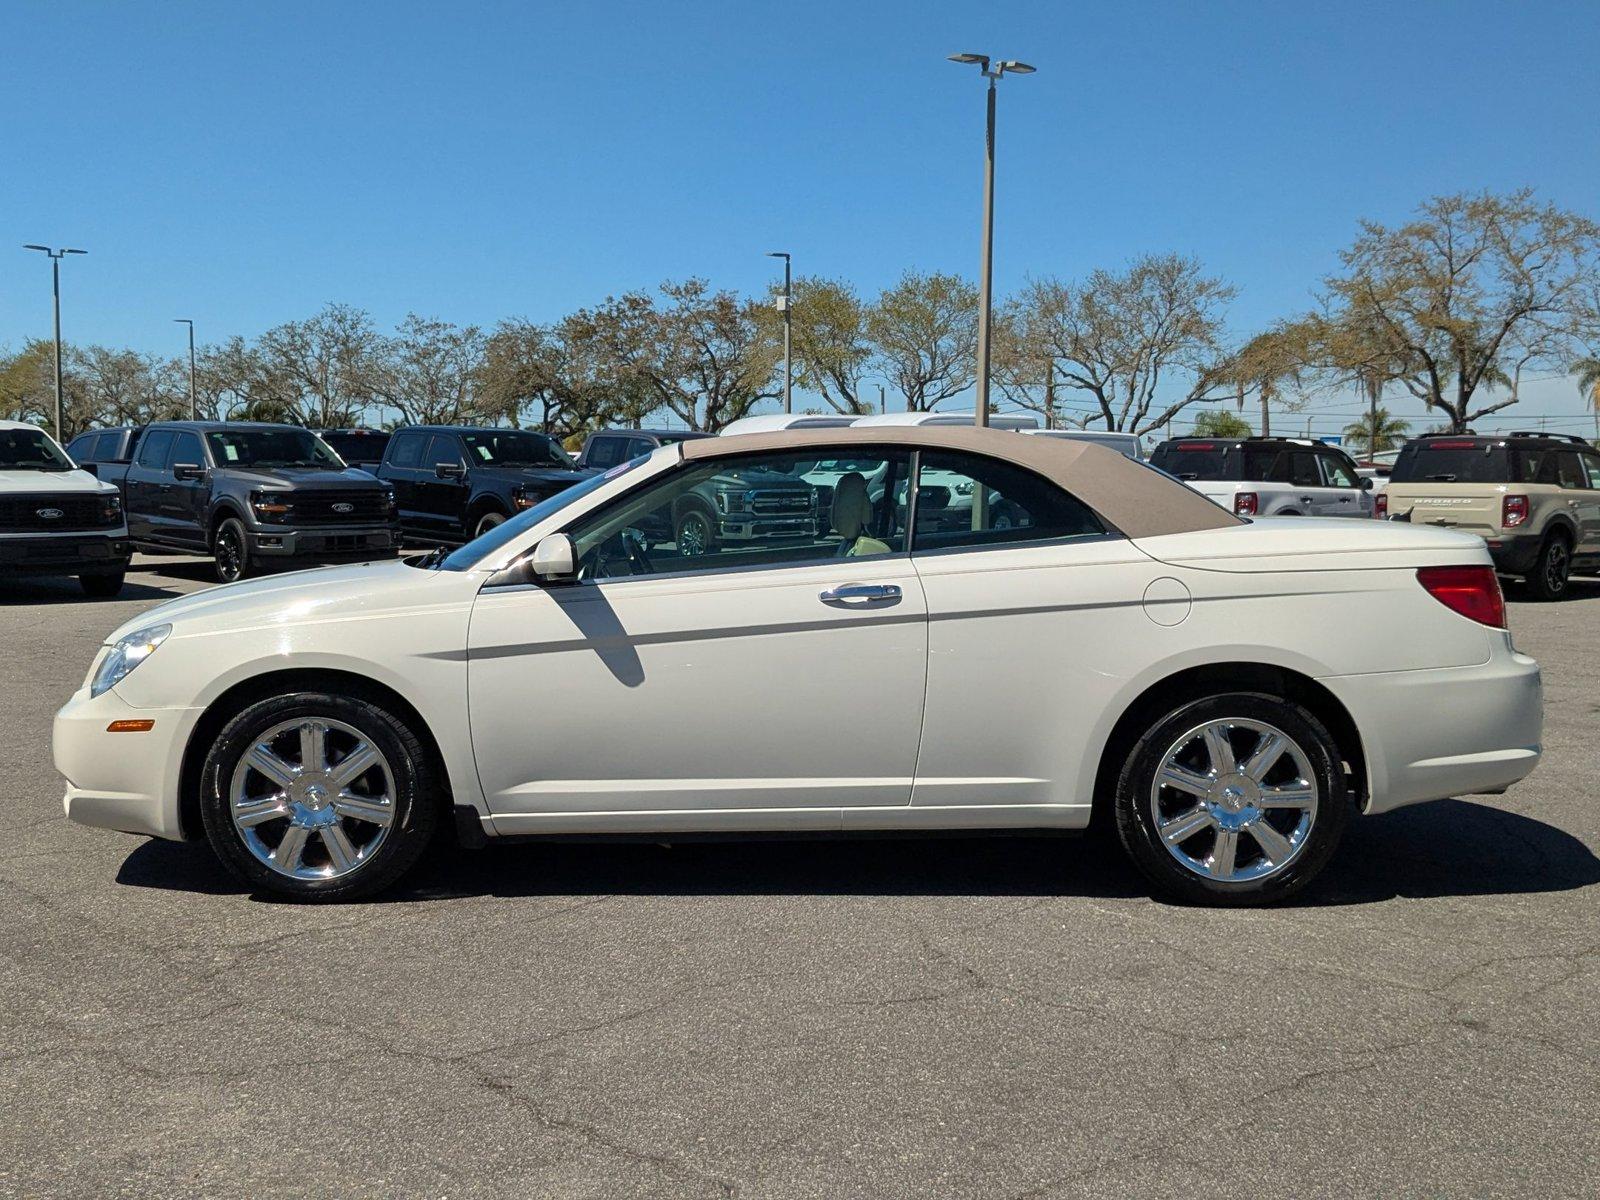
(30, 450)
(514, 448)
(272, 448)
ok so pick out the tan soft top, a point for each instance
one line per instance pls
(1137, 500)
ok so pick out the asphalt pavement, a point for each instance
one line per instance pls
(946, 1018)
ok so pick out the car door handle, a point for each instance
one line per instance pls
(1305, 499)
(861, 593)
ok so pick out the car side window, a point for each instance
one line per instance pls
(186, 449)
(605, 452)
(153, 452)
(1016, 505)
(1303, 469)
(442, 449)
(407, 450)
(1591, 468)
(778, 509)
(81, 448)
(1337, 472)
(1569, 470)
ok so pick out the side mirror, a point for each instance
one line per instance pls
(449, 470)
(554, 560)
(1366, 483)
(188, 472)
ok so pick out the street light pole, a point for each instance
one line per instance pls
(986, 271)
(788, 304)
(55, 290)
(190, 324)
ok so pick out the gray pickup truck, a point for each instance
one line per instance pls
(248, 494)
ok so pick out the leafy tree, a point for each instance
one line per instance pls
(1125, 337)
(1269, 363)
(1220, 423)
(828, 339)
(1587, 369)
(561, 378)
(322, 371)
(1378, 430)
(1463, 299)
(431, 371)
(924, 335)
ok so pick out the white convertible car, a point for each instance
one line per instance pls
(1228, 693)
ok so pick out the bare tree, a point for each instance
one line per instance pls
(924, 332)
(1469, 296)
(321, 370)
(562, 378)
(430, 372)
(1128, 339)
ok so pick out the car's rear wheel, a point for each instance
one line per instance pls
(1548, 579)
(231, 549)
(319, 797)
(102, 586)
(1232, 799)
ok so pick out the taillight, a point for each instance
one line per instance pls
(1513, 511)
(1246, 504)
(1380, 505)
(1471, 591)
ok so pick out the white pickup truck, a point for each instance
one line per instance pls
(1268, 476)
(55, 518)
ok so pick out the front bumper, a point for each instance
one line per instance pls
(742, 528)
(1433, 734)
(66, 554)
(336, 542)
(123, 781)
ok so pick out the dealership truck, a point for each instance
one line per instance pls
(56, 519)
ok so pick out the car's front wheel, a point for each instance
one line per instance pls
(231, 549)
(1232, 799)
(489, 520)
(319, 797)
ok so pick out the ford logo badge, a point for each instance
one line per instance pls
(49, 514)
(342, 507)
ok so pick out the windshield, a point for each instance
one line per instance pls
(1446, 460)
(30, 450)
(515, 448)
(272, 448)
(482, 547)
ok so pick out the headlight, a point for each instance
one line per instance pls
(111, 508)
(270, 507)
(125, 655)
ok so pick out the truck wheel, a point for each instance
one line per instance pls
(487, 522)
(231, 548)
(319, 797)
(693, 534)
(1232, 799)
(102, 586)
(1548, 579)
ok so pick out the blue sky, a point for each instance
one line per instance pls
(246, 163)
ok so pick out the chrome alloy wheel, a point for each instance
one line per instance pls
(312, 798)
(1234, 800)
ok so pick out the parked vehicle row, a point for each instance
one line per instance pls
(1227, 694)
(56, 519)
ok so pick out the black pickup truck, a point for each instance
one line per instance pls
(452, 483)
(247, 493)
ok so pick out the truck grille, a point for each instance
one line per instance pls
(772, 502)
(358, 507)
(25, 514)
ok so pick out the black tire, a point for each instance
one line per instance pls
(416, 800)
(1136, 822)
(487, 522)
(1552, 569)
(104, 586)
(230, 547)
(694, 534)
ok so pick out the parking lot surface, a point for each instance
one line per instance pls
(963, 1017)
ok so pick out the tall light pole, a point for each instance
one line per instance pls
(190, 324)
(788, 303)
(55, 284)
(986, 271)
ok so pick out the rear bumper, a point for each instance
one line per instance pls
(1513, 555)
(122, 781)
(1429, 735)
(66, 554)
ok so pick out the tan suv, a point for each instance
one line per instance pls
(1534, 497)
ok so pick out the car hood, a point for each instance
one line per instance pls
(306, 477)
(60, 482)
(358, 591)
(1315, 544)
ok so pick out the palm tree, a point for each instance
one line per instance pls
(1588, 372)
(1378, 430)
